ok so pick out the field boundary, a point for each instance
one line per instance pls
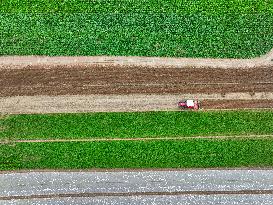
(137, 139)
(18, 62)
(20, 171)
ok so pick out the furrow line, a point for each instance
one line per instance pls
(136, 139)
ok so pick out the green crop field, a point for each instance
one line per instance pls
(163, 153)
(124, 6)
(130, 125)
(137, 154)
(224, 29)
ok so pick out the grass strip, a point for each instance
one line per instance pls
(132, 154)
(125, 6)
(136, 34)
(136, 125)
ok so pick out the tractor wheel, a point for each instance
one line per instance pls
(199, 106)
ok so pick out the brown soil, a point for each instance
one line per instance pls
(229, 104)
(110, 80)
(99, 79)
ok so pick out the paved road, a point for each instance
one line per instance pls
(158, 200)
(138, 187)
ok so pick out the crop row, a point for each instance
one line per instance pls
(131, 125)
(210, 7)
(137, 154)
(137, 34)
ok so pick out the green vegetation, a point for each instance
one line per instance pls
(137, 154)
(125, 6)
(146, 124)
(223, 29)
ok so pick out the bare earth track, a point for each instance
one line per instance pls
(97, 88)
(126, 103)
(95, 79)
(7, 62)
(84, 84)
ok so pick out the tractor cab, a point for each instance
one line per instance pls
(190, 103)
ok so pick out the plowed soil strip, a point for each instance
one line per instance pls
(123, 194)
(136, 139)
(52, 80)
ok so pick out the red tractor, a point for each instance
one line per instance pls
(189, 105)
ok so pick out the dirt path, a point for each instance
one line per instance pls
(125, 103)
(136, 139)
(7, 62)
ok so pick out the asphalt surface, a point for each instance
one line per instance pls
(138, 187)
(159, 200)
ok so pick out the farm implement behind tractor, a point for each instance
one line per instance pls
(189, 105)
